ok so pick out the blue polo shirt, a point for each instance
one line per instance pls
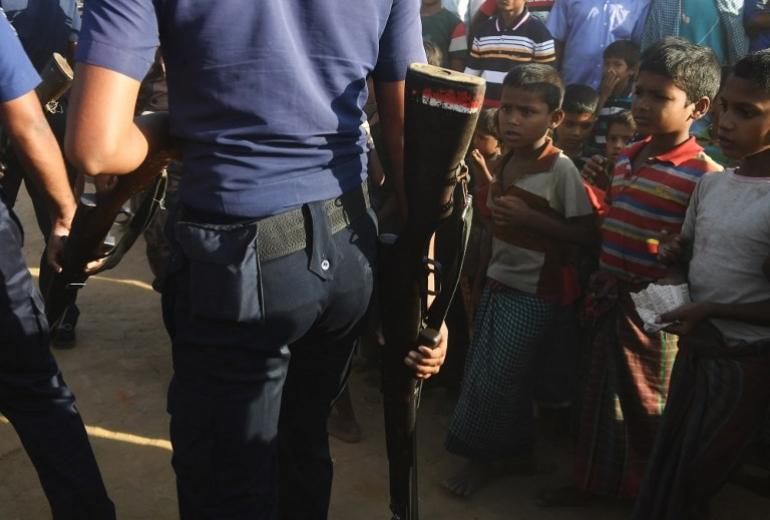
(17, 76)
(266, 96)
(44, 26)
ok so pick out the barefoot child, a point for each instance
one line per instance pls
(539, 208)
(719, 385)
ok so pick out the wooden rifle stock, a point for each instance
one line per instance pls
(441, 113)
(92, 222)
(55, 79)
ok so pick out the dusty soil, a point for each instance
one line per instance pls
(119, 371)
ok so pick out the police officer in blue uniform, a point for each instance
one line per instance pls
(33, 395)
(44, 27)
(274, 240)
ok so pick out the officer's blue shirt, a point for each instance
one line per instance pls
(265, 96)
(17, 76)
(44, 26)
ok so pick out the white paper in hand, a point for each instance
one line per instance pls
(655, 300)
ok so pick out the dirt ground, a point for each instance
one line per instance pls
(119, 371)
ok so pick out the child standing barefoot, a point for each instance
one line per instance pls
(539, 208)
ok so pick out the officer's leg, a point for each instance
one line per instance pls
(317, 372)
(34, 397)
(224, 431)
(225, 395)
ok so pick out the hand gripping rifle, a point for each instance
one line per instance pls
(94, 216)
(441, 112)
(93, 219)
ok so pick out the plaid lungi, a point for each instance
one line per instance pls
(623, 400)
(493, 418)
(716, 407)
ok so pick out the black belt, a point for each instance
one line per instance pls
(285, 233)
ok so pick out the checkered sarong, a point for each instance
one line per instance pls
(623, 401)
(716, 406)
(493, 418)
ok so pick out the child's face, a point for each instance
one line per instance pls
(525, 118)
(619, 68)
(618, 136)
(511, 6)
(660, 107)
(574, 130)
(486, 143)
(744, 119)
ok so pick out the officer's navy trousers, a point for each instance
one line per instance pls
(33, 395)
(260, 350)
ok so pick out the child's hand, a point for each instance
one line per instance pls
(478, 158)
(610, 80)
(670, 248)
(686, 317)
(509, 209)
(480, 164)
(594, 168)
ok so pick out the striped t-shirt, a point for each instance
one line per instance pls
(496, 49)
(644, 203)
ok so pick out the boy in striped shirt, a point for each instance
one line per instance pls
(511, 37)
(627, 384)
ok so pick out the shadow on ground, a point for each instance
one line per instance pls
(119, 371)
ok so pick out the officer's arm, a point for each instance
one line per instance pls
(23, 120)
(390, 107)
(102, 135)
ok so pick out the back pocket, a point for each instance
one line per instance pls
(224, 282)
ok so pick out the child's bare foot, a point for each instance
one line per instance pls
(568, 496)
(472, 477)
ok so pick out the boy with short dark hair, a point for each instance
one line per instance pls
(653, 179)
(574, 133)
(539, 209)
(620, 61)
(621, 128)
(512, 37)
(719, 385)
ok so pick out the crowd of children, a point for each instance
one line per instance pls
(591, 183)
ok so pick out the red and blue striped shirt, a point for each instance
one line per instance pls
(645, 202)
